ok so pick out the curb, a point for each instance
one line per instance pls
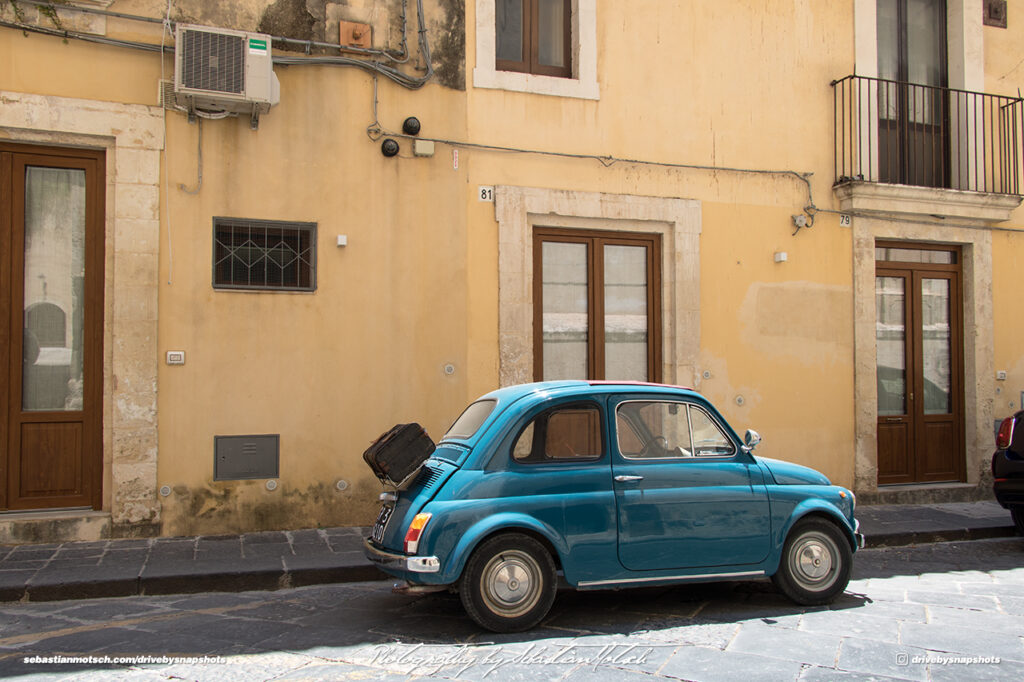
(190, 582)
(927, 537)
(186, 578)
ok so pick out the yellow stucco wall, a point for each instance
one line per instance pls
(1004, 71)
(416, 288)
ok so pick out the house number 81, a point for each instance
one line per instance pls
(486, 193)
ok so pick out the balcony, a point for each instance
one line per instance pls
(894, 133)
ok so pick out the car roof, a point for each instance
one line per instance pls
(552, 389)
(526, 396)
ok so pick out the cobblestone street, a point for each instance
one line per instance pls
(947, 611)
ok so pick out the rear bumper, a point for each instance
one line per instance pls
(1008, 475)
(1009, 492)
(400, 562)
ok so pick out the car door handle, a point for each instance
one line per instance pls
(626, 479)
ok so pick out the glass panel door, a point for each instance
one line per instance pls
(919, 351)
(936, 341)
(54, 289)
(913, 145)
(891, 340)
(51, 294)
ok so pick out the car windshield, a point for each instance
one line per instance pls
(468, 424)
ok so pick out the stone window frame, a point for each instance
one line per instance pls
(583, 50)
(519, 209)
(132, 137)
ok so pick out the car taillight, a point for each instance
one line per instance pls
(1005, 436)
(412, 536)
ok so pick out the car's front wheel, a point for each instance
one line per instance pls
(816, 562)
(509, 583)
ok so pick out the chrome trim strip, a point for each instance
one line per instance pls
(743, 574)
(423, 564)
(415, 564)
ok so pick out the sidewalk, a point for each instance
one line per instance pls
(282, 559)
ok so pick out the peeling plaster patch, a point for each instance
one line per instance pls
(807, 321)
(242, 16)
(292, 19)
(244, 506)
(449, 48)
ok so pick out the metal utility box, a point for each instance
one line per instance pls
(246, 457)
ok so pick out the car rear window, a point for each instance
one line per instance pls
(471, 419)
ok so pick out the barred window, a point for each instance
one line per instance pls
(264, 254)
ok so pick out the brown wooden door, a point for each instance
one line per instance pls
(51, 327)
(919, 369)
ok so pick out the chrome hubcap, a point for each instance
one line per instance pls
(510, 583)
(813, 561)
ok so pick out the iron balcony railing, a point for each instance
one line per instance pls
(893, 132)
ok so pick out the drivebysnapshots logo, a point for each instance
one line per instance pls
(905, 659)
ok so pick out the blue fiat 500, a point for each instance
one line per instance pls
(612, 485)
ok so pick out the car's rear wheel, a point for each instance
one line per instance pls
(816, 562)
(1018, 518)
(509, 583)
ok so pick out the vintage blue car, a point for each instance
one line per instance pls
(612, 485)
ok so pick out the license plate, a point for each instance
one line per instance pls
(382, 523)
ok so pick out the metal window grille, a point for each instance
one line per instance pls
(264, 255)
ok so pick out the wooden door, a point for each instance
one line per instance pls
(919, 336)
(51, 327)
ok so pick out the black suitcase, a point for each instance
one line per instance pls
(398, 454)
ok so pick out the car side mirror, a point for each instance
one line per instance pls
(751, 440)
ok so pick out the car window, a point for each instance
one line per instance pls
(568, 433)
(708, 439)
(664, 429)
(471, 419)
(648, 429)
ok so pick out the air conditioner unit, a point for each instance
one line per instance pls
(219, 71)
